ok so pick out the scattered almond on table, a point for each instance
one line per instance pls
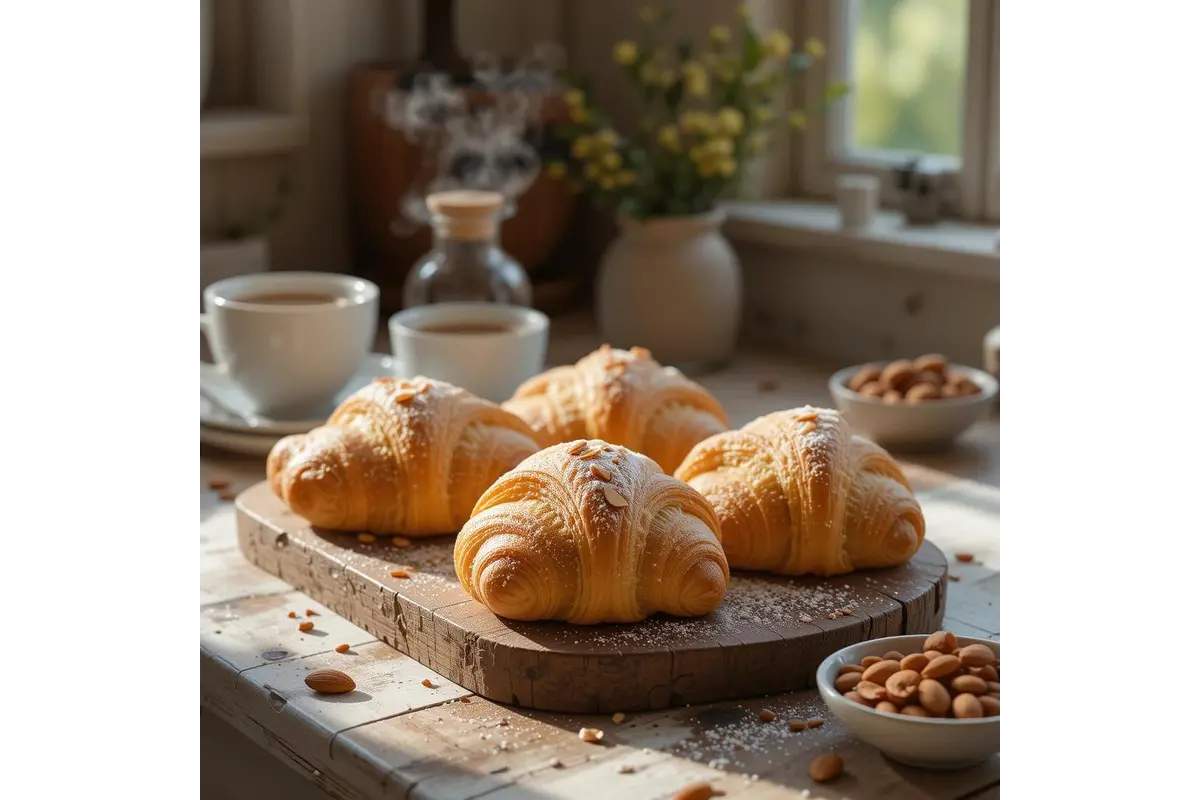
(400, 541)
(306, 626)
(227, 496)
(816, 722)
(618, 718)
(825, 767)
(944, 680)
(308, 612)
(291, 615)
(401, 572)
(766, 715)
(218, 483)
(965, 558)
(797, 725)
(342, 648)
(428, 684)
(366, 538)
(329, 681)
(698, 791)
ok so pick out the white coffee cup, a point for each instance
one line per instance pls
(290, 340)
(488, 349)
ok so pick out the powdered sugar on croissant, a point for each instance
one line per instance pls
(623, 397)
(399, 456)
(589, 532)
(797, 494)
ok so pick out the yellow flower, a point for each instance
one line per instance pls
(698, 154)
(579, 115)
(611, 160)
(668, 137)
(756, 143)
(815, 47)
(797, 119)
(574, 98)
(666, 78)
(743, 11)
(721, 145)
(726, 166)
(730, 121)
(719, 34)
(606, 182)
(625, 52)
(695, 78)
(764, 114)
(625, 178)
(648, 14)
(556, 170)
(581, 147)
(777, 44)
(591, 171)
(606, 138)
(649, 73)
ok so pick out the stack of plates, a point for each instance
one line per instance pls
(226, 421)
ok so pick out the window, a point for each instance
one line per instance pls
(924, 83)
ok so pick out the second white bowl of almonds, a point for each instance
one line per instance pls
(928, 701)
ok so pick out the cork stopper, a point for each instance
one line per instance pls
(465, 214)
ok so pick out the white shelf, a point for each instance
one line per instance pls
(227, 133)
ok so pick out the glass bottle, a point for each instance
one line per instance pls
(466, 264)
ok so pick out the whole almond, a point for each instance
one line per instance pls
(915, 661)
(871, 692)
(766, 715)
(898, 375)
(329, 681)
(990, 706)
(987, 672)
(867, 374)
(902, 686)
(914, 711)
(698, 791)
(825, 767)
(591, 735)
(935, 379)
(844, 668)
(933, 697)
(887, 707)
(934, 362)
(845, 683)
(872, 389)
(891, 397)
(977, 655)
(941, 667)
(932, 654)
(893, 655)
(869, 660)
(855, 697)
(942, 641)
(921, 392)
(880, 671)
(967, 706)
(797, 725)
(969, 684)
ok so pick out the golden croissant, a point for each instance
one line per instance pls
(399, 456)
(623, 397)
(589, 532)
(798, 494)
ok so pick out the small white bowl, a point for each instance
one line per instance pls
(917, 741)
(913, 427)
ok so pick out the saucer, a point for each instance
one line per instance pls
(225, 409)
(247, 444)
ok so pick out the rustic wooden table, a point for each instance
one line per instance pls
(404, 740)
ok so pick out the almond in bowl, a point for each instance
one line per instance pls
(922, 404)
(936, 707)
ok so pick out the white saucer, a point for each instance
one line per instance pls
(214, 416)
(247, 444)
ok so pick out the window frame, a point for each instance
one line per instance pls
(973, 180)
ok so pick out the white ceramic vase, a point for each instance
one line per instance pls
(206, 48)
(674, 286)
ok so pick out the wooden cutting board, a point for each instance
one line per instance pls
(767, 637)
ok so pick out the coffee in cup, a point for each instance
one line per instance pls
(489, 349)
(290, 341)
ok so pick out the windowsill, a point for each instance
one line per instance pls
(950, 247)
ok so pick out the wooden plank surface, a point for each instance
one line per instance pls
(769, 635)
(452, 748)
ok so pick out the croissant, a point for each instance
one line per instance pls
(398, 456)
(797, 494)
(589, 532)
(623, 397)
